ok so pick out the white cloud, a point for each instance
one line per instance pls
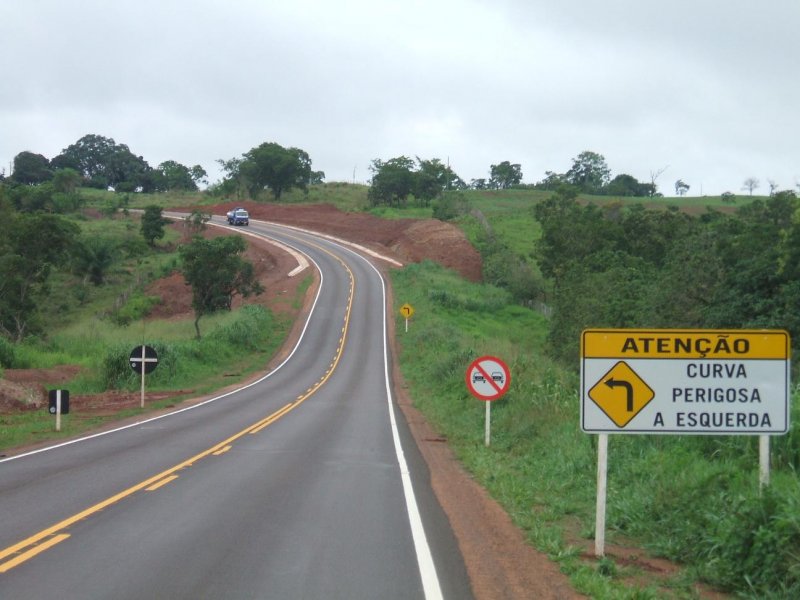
(704, 86)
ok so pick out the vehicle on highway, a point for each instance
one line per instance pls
(238, 216)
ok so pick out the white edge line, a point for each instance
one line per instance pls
(302, 263)
(198, 405)
(339, 241)
(427, 568)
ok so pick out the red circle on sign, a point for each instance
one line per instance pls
(488, 378)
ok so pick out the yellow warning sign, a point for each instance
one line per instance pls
(407, 310)
(741, 344)
(621, 394)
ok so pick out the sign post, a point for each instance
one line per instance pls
(679, 382)
(407, 311)
(143, 359)
(488, 378)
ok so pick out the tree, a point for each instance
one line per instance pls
(31, 168)
(30, 248)
(654, 175)
(66, 180)
(153, 224)
(271, 166)
(504, 175)
(750, 184)
(217, 272)
(479, 184)
(198, 175)
(681, 188)
(571, 233)
(175, 176)
(93, 257)
(589, 172)
(103, 162)
(432, 179)
(234, 182)
(627, 185)
(195, 223)
(552, 181)
(773, 187)
(392, 181)
(127, 172)
(88, 156)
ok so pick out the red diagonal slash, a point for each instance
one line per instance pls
(488, 378)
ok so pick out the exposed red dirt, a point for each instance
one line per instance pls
(406, 240)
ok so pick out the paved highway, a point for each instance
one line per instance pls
(305, 484)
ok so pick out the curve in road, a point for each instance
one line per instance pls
(244, 495)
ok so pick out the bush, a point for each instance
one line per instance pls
(247, 330)
(116, 372)
(6, 353)
(451, 206)
(755, 545)
(137, 307)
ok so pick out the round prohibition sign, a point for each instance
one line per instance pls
(488, 378)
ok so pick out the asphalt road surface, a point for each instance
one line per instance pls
(306, 484)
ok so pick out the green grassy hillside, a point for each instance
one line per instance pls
(694, 500)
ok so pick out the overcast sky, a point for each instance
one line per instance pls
(706, 89)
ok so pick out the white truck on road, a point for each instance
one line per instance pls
(238, 216)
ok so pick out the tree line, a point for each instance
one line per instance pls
(397, 181)
(99, 162)
(623, 267)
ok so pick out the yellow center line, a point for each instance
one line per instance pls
(163, 482)
(33, 552)
(271, 419)
(39, 542)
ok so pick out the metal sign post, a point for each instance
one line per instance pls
(58, 410)
(141, 405)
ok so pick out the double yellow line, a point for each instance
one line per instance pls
(47, 538)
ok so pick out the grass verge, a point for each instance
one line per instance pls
(236, 345)
(693, 500)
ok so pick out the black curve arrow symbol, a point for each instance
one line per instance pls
(612, 383)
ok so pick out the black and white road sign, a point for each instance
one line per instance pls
(144, 356)
(58, 402)
(488, 378)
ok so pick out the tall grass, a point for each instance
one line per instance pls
(694, 500)
(236, 344)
